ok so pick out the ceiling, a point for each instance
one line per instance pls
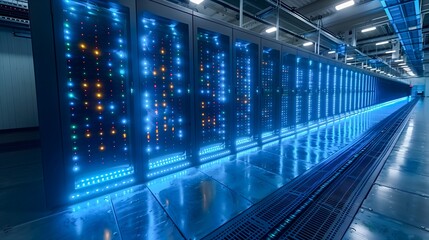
(402, 23)
(407, 33)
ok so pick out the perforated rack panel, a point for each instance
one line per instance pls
(246, 56)
(164, 79)
(211, 86)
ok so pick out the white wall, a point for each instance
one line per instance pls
(427, 87)
(18, 108)
(419, 84)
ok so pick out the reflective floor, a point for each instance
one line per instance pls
(191, 203)
(397, 206)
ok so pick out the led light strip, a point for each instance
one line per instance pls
(166, 161)
(102, 178)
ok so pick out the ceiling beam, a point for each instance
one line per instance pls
(317, 6)
(376, 39)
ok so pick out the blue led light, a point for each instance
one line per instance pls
(170, 159)
(168, 170)
(215, 156)
(96, 190)
(102, 178)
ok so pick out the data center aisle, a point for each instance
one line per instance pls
(191, 203)
(397, 207)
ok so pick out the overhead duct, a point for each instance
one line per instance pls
(405, 17)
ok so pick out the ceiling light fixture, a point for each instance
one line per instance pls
(196, 1)
(349, 58)
(331, 52)
(307, 44)
(345, 5)
(271, 29)
(368, 29)
(381, 43)
(402, 64)
(399, 60)
(391, 51)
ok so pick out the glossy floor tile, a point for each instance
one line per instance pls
(197, 203)
(401, 206)
(370, 225)
(404, 180)
(251, 182)
(140, 216)
(89, 220)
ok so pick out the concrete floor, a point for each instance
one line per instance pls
(191, 203)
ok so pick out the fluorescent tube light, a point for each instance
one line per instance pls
(391, 51)
(196, 1)
(345, 5)
(307, 44)
(381, 43)
(271, 29)
(331, 52)
(368, 29)
(399, 60)
(402, 64)
(349, 58)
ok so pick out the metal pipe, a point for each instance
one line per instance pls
(318, 36)
(278, 20)
(241, 13)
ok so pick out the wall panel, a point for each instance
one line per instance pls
(17, 85)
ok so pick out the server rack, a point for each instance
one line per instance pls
(270, 73)
(165, 89)
(212, 54)
(319, 90)
(353, 92)
(324, 85)
(337, 89)
(246, 74)
(313, 91)
(373, 86)
(365, 91)
(359, 90)
(347, 91)
(331, 86)
(84, 105)
(301, 85)
(369, 89)
(288, 91)
(341, 90)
